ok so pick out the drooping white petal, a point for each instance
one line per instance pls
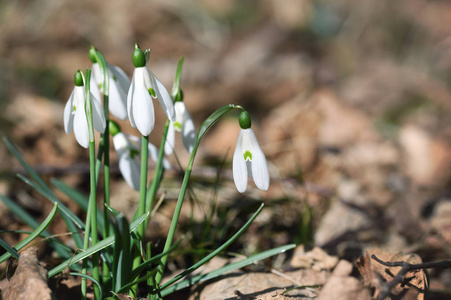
(97, 75)
(94, 86)
(130, 170)
(80, 121)
(153, 153)
(139, 104)
(130, 99)
(98, 116)
(121, 78)
(128, 165)
(170, 139)
(142, 107)
(119, 85)
(188, 131)
(118, 101)
(260, 171)
(163, 96)
(239, 166)
(68, 115)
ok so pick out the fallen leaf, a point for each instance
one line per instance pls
(376, 275)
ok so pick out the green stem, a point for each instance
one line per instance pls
(213, 118)
(158, 172)
(142, 203)
(93, 212)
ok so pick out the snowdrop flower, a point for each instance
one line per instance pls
(128, 155)
(184, 124)
(75, 113)
(143, 88)
(119, 85)
(248, 159)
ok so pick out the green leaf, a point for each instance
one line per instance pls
(89, 278)
(43, 186)
(122, 262)
(178, 76)
(65, 212)
(10, 249)
(94, 249)
(214, 253)
(212, 119)
(62, 250)
(35, 233)
(78, 198)
(237, 265)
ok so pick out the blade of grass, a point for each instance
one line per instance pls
(237, 265)
(62, 250)
(90, 278)
(216, 252)
(99, 246)
(77, 197)
(35, 233)
(10, 249)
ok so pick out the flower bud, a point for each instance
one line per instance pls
(78, 78)
(92, 54)
(114, 128)
(179, 96)
(139, 59)
(245, 120)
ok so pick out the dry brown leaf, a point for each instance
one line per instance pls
(30, 278)
(316, 259)
(375, 274)
(342, 286)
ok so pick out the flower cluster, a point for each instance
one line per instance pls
(134, 99)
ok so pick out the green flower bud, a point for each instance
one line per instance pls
(92, 54)
(139, 59)
(179, 96)
(114, 128)
(245, 120)
(78, 78)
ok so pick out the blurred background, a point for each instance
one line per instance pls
(350, 101)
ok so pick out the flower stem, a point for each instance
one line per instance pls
(142, 201)
(93, 208)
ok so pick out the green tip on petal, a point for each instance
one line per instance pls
(179, 96)
(114, 128)
(92, 54)
(245, 120)
(248, 155)
(78, 78)
(139, 59)
(152, 92)
(133, 153)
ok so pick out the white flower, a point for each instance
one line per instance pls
(119, 85)
(139, 101)
(75, 116)
(249, 160)
(184, 124)
(128, 153)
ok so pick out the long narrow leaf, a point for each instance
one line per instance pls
(50, 196)
(42, 185)
(62, 250)
(24, 164)
(77, 197)
(237, 265)
(214, 253)
(94, 249)
(35, 233)
(13, 252)
(89, 278)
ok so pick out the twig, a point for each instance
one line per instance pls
(405, 267)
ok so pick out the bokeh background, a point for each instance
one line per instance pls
(350, 101)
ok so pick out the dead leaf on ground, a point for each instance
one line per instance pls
(376, 275)
(30, 278)
(316, 259)
(343, 286)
